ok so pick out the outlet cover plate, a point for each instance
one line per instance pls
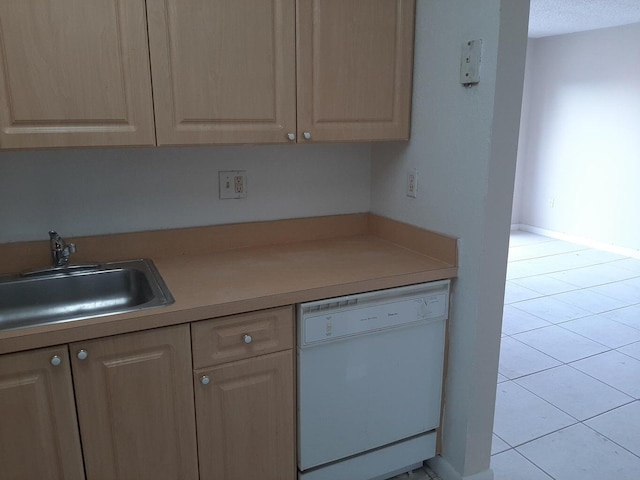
(232, 184)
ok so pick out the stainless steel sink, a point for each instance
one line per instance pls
(78, 292)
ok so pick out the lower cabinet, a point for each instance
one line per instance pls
(135, 405)
(123, 407)
(134, 399)
(38, 427)
(245, 419)
(245, 408)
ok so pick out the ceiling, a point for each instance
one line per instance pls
(557, 17)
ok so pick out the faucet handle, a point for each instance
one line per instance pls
(72, 248)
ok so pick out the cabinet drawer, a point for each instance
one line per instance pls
(219, 341)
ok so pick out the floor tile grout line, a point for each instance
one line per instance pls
(514, 304)
(612, 440)
(577, 422)
(570, 364)
(568, 269)
(555, 358)
(622, 323)
(573, 319)
(513, 335)
(591, 339)
(577, 287)
(585, 263)
(541, 318)
(632, 399)
(586, 288)
(548, 255)
(586, 373)
(535, 464)
(528, 460)
(626, 354)
(510, 446)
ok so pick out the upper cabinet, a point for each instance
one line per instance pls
(74, 73)
(277, 71)
(79, 72)
(355, 63)
(223, 71)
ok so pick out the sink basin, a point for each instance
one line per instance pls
(77, 292)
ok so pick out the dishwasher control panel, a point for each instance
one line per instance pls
(354, 315)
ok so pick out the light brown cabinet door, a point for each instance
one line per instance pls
(246, 419)
(355, 64)
(38, 427)
(74, 73)
(135, 405)
(223, 71)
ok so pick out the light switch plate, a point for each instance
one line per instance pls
(412, 183)
(470, 62)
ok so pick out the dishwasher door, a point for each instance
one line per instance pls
(370, 371)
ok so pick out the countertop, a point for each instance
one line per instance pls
(362, 253)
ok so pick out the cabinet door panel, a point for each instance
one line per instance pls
(355, 62)
(38, 428)
(246, 419)
(135, 405)
(223, 72)
(74, 73)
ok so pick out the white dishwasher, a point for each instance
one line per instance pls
(370, 372)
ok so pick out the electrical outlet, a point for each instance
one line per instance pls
(412, 183)
(232, 184)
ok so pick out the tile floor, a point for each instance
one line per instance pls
(568, 395)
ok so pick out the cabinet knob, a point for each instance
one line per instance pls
(56, 360)
(307, 135)
(291, 136)
(82, 354)
(247, 339)
(205, 380)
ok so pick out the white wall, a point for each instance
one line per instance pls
(583, 137)
(86, 192)
(522, 138)
(464, 143)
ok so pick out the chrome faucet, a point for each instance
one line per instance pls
(60, 250)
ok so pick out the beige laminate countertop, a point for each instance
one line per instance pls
(225, 282)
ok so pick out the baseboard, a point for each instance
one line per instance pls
(445, 471)
(627, 252)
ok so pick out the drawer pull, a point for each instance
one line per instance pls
(204, 380)
(247, 338)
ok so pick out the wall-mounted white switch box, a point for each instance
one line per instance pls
(412, 183)
(232, 184)
(470, 62)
